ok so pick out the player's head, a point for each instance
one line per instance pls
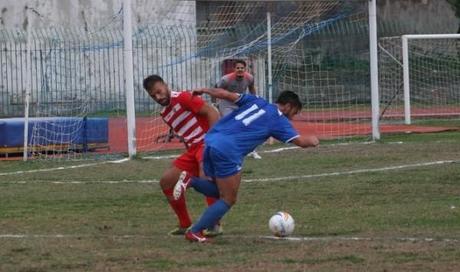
(289, 104)
(157, 89)
(239, 67)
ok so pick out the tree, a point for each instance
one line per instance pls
(456, 6)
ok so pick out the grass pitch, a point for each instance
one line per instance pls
(113, 217)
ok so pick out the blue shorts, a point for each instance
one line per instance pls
(221, 164)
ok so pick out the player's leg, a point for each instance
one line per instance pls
(204, 186)
(199, 164)
(210, 185)
(179, 206)
(228, 188)
(185, 162)
(226, 167)
(210, 198)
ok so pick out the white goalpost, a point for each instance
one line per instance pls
(428, 48)
(28, 85)
(374, 69)
(420, 77)
(129, 77)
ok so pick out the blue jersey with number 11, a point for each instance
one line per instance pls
(249, 126)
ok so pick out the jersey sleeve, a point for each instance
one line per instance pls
(245, 99)
(193, 103)
(282, 130)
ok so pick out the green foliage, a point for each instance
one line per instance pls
(456, 6)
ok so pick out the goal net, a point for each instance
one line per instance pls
(420, 81)
(319, 49)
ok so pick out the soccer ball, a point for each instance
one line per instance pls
(281, 224)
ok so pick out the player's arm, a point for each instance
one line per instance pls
(252, 88)
(199, 107)
(282, 130)
(218, 93)
(218, 85)
(210, 113)
(306, 141)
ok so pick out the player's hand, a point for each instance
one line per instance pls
(198, 91)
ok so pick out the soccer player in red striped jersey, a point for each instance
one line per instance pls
(190, 117)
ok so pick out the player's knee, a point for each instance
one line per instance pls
(166, 183)
(230, 200)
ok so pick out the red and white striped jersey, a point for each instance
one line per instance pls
(182, 116)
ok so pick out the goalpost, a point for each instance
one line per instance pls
(374, 69)
(420, 76)
(450, 67)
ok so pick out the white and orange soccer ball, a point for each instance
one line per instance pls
(281, 224)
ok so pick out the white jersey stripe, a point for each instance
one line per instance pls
(246, 112)
(180, 118)
(253, 117)
(171, 113)
(197, 140)
(195, 132)
(186, 127)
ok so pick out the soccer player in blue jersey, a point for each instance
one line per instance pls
(229, 141)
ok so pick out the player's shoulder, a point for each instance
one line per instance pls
(175, 94)
(247, 98)
(229, 77)
(178, 97)
(270, 109)
(184, 94)
(248, 76)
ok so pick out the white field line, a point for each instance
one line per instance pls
(358, 238)
(164, 157)
(357, 171)
(82, 181)
(151, 158)
(276, 150)
(62, 167)
(281, 149)
(292, 239)
(351, 172)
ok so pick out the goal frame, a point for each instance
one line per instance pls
(129, 78)
(406, 71)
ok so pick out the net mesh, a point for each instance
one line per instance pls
(319, 50)
(434, 72)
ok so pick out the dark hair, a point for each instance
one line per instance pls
(289, 97)
(151, 80)
(240, 62)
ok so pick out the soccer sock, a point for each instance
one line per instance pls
(211, 215)
(180, 208)
(210, 201)
(205, 187)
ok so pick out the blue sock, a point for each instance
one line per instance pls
(211, 215)
(205, 187)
